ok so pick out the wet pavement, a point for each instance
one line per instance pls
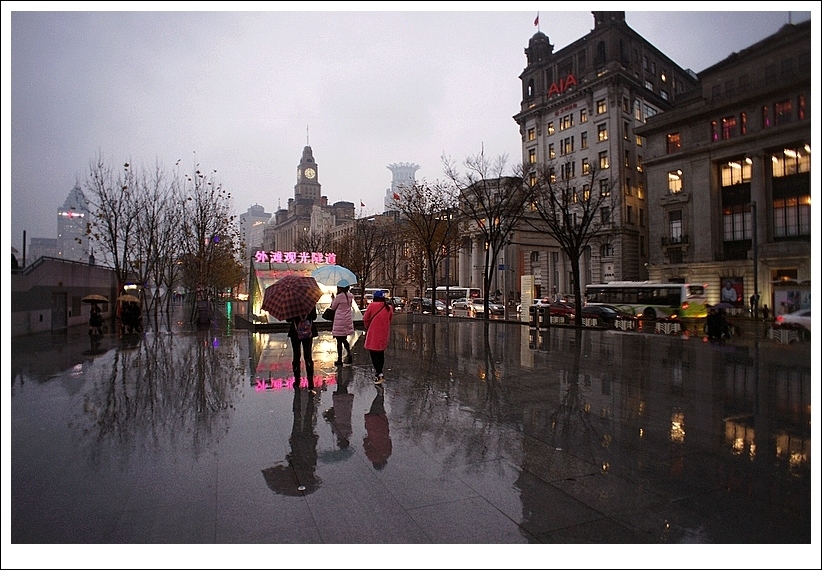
(484, 433)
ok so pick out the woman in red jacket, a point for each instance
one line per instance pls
(377, 321)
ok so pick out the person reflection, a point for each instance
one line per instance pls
(303, 440)
(377, 441)
(339, 414)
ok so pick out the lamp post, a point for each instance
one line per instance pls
(447, 268)
(755, 261)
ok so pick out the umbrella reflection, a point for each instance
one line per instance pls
(297, 475)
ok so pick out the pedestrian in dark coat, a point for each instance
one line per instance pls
(305, 345)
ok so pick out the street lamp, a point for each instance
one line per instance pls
(755, 260)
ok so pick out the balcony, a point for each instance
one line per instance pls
(676, 240)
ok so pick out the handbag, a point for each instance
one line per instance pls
(328, 314)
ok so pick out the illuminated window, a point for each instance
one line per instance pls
(791, 161)
(637, 110)
(602, 132)
(532, 179)
(603, 160)
(583, 116)
(783, 112)
(604, 189)
(626, 131)
(532, 134)
(550, 129)
(586, 168)
(736, 222)
(792, 216)
(639, 163)
(552, 175)
(628, 158)
(638, 140)
(673, 142)
(728, 127)
(567, 146)
(532, 156)
(743, 123)
(736, 172)
(601, 106)
(675, 182)
(551, 152)
(607, 250)
(714, 132)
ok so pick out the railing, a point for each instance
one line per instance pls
(678, 240)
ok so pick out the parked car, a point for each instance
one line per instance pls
(425, 306)
(399, 304)
(461, 304)
(606, 314)
(800, 319)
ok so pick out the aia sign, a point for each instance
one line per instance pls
(562, 86)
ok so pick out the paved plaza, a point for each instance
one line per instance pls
(488, 434)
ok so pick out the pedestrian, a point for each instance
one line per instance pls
(728, 293)
(377, 440)
(766, 312)
(306, 345)
(343, 325)
(95, 320)
(377, 321)
(753, 304)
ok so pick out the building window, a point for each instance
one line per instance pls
(626, 131)
(566, 122)
(766, 118)
(604, 190)
(630, 214)
(637, 110)
(644, 62)
(532, 156)
(583, 139)
(603, 160)
(792, 216)
(583, 115)
(638, 140)
(568, 170)
(664, 76)
(602, 132)
(714, 132)
(605, 214)
(675, 226)
(628, 191)
(552, 175)
(586, 168)
(532, 179)
(551, 152)
(550, 128)
(736, 222)
(791, 161)
(728, 127)
(639, 163)
(567, 146)
(628, 159)
(648, 85)
(640, 189)
(663, 94)
(607, 250)
(800, 107)
(626, 105)
(783, 112)
(743, 123)
(736, 172)
(675, 181)
(642, 217)
(673, 142)
(532, 134)
(601, 107)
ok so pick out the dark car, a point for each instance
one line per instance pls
(425, 306)
(606, 314)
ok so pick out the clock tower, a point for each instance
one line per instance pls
(307, 178)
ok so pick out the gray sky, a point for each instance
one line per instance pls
(235, 91)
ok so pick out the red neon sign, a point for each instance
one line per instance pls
(564, 84)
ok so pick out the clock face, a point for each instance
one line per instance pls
(309, 173)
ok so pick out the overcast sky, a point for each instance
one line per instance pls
(235, 91)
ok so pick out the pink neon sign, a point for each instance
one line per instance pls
(295, 257)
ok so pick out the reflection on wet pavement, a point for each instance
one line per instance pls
(484, 434)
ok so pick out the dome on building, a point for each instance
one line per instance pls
(539, 48)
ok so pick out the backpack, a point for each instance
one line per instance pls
(303, 329)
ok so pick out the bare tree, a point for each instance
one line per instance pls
(572, 214)
(113, 204)
(427, 211)
(361, 250)
(493, 203)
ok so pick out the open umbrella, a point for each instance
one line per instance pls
(291, 296)
(95, 299)
(284, 480)
(128, 299)
(332, 274)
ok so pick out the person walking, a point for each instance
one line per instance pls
(95, 320)
(343, 325)
(766, 312)
(377, 440)
(303, 340)
(377, 321)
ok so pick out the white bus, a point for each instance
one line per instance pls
(454, 293)
(650, 300)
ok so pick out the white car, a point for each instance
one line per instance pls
(801, 318)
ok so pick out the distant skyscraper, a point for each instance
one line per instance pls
(403, 176)
(252, 224)
(72, 217)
